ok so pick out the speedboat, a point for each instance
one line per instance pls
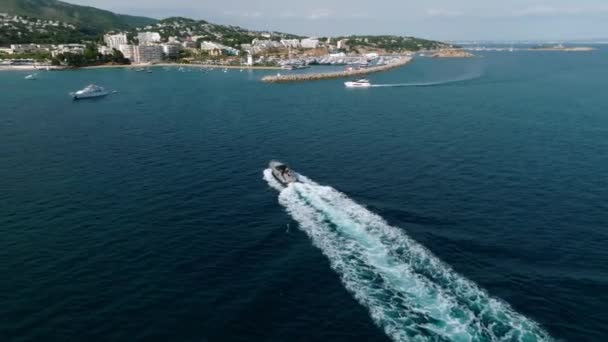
(90, 91)
(362, 83)
(283, 173)
(31, 77)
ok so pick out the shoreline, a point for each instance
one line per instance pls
(340, 74)
(30, 68)
(213, 66)
(131, 66)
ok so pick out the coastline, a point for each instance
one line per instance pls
(110, 66)
(182, 65)
(340, 74)
(30, 68)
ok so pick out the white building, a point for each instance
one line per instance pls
(31, 48)
(148, 37)
(171, 50)
(68, 48)
(190, 44)
(208, 46)
(343, 44)
(310, 43)
(114, 41)
(127, 51)
(260, 45)
(291, 43)
(216, 49)
(147, 53)
(105, 50)
(250, 59)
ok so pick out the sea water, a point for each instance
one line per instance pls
(470, 209)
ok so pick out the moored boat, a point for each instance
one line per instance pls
(90, 91)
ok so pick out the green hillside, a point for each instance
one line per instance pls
(88, 20)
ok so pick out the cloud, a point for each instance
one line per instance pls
(319, 14)
(442, 12)
(551, 11)
(245, 14)
(287, 14)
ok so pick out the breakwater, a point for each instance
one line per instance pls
(341, 74)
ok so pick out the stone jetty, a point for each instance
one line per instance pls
(341, 74)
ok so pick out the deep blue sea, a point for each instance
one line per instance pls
(463, 200)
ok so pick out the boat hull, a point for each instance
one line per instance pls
(84, 97)
(282, 176)
(357, 85)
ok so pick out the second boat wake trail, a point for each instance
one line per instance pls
(409, 293)
(430, 84)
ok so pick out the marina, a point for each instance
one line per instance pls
(339, 74)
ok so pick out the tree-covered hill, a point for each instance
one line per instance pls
(88, 20)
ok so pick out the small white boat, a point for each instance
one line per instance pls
(90, 91)
(282, 173)
(31, 77)
(362, 83)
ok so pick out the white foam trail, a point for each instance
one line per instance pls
(272, 181)
(429, 84)
(408, 291)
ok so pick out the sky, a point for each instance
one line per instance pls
(433, 19)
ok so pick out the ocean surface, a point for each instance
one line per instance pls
(459, 200)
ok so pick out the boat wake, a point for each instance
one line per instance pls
(430, 84)
(408, 291)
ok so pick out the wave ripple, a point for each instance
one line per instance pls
(408, 291)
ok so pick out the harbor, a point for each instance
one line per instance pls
(340, 74)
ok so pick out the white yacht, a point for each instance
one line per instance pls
(90, 91)
(362, 83)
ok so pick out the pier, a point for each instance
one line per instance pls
(341, 74)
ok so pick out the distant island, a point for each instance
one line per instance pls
(452, 53)
(561, 47)
(51, 32)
